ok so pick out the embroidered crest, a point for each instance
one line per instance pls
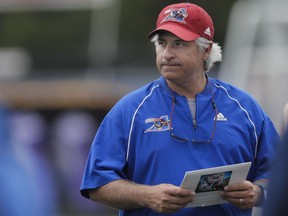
(158, 124)
(177, 15)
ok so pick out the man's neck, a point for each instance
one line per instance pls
(189, 89)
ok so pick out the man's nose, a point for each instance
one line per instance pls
(168, 52)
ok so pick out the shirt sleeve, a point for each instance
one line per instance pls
(107, 156)
(267, 144)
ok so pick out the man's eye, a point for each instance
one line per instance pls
(162, 43)
(180, 44)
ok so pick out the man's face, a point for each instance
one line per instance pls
(178, 60)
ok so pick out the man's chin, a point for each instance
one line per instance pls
(170, 76)
(168, 72)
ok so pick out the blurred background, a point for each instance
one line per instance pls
(64, 63)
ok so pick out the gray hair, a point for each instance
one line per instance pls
(215, 53)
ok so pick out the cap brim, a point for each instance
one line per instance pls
(179, 31)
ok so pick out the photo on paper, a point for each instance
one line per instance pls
(208, 183)
(213, 182)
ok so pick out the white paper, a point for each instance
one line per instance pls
(208, 183)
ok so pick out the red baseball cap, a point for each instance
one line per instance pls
(185, 20)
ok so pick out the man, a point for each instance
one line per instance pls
(183, 121)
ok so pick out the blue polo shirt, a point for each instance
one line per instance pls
(134, 142)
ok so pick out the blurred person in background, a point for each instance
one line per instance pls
(73, 130)
(29, 132)
(277, 192)
(183, 121)
(15, 185)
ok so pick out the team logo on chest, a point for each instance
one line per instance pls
(158, 124)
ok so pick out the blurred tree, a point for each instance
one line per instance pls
(53, 39)
(59, 40)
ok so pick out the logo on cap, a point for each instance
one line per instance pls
(177, 15)
(207, 31)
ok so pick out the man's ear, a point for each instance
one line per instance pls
(207, 51)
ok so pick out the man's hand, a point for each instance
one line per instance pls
(167, 198)
(245, 195)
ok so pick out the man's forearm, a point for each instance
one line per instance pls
(120, 194)
(161, 198)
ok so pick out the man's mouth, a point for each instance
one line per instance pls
(170, 64)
